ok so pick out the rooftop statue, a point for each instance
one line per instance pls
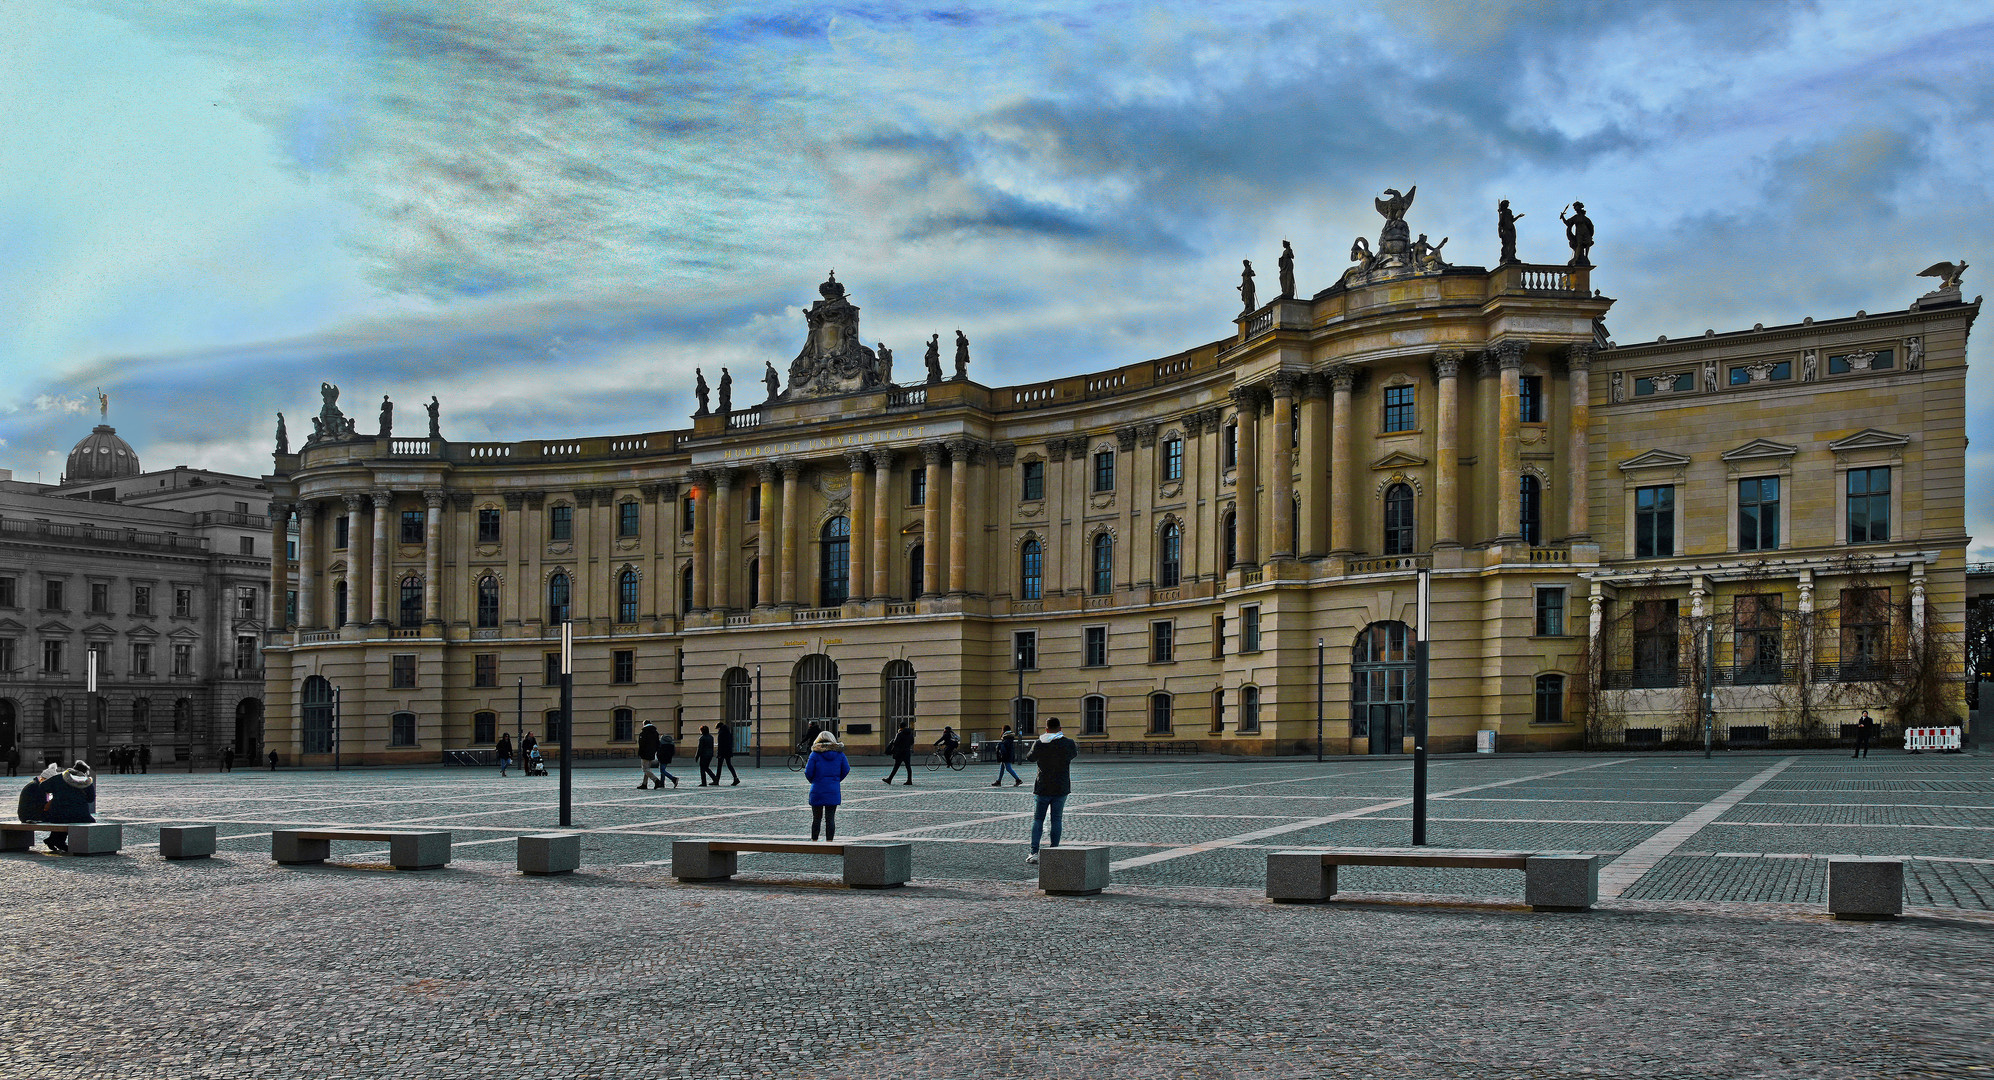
(1426, 255)
(283, 437)
(1396, 237)
(885, 356)
(726, 392)
(1246, 286)
(700, 391)
(330, 423)
(1506, 230)
(1578, 233)
(1947, 273)
(387, 417)
(934, 359)
(833, 359)
(435, 418)
(961, 356)
(771, 380)
(1287, 271)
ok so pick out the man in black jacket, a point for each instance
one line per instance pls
(706, 756)
(647, 752)
(1007, 754)
(902, 749)
(1053, 754)
(726, 755)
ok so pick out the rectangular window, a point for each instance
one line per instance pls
(340, 525)
(291, 549)
(10, 595)
(1665, 383)
(1229, 448)
(557, 727)
(626, 515)
(402, 671)
(141, 599)
(245, 654)
(52, 595)
(623, 666)
(687, 517)
(488, 525)
(1550, 611)
(1034, 474)
(183, 603)
(1249, 628)
(1755, 626)
(1655, 643)
(1401, 413)
(1758, 514)
(402, 730)
(484, 728)
(1869, 505)
(917, 486)
(1865, 619)
(552, 675)
(100, 597)
(623, 726)
(754, 504)
(484, 667)
(1096, 639)
(1218, 636)
(1094, 715)
(52, 657)
(678, 667)
(6, 654)
(1762, 372)
(290, 607)
(1024, 650)
(1249, 709)
(1104, 470)
(242, 508)
(1530, 399)
(245, 602)
(561, 523)
(183, 659)
(1173, 459)
(1654, 522)
(1865, 360)
(101, 653)
(1550, 700)
(141, 658)
(245, 545)
(1162, 642)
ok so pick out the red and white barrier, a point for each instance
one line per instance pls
(1931, 738)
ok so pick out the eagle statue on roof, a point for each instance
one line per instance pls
(1947, 273)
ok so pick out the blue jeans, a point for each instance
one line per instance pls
(1057, 803)
(1005, 767)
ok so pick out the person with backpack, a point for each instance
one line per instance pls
(706, 756)
(946, 745)
(647, 753)
(902, 749)
(826, 770)
(1007, 753)
(667, 750)
(503, 751)
(1053, 754)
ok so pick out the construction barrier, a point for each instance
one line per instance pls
(1931, 738)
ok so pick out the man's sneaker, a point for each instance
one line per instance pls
(1033, 858)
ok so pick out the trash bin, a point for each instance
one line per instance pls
(1485, 742)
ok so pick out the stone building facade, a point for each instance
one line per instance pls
(1185, 550)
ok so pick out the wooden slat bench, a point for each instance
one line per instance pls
(1554, 881)
(867, 866)
(406, 850)
(85, 838)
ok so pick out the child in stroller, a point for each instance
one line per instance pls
(535, 764)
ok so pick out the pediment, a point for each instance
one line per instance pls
(1870, 439)
(1398, 459)
(1654, 459)
(185, 633)
(911, 529)
(250, 625)
(1758, 449)
(139, 632)
(100, 629)
(7, 625)
(54, 626)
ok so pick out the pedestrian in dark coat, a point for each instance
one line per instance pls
(1053, 754)
(726, 755)
(273, 761)
(1865, 730)
(228, 758)
(503, 751)
(72, 800)
(902, 749)
(810, 736)
(1007, 755)
(34, 797)
(145, 757)
(667, 750)
(647, 753)
(706, 756)
(826, 771)
(14, 759)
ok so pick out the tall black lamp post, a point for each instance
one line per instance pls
(567, 724)
(1318, 699)
(1419, 710)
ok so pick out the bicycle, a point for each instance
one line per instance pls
(956, 761)
(796, 760)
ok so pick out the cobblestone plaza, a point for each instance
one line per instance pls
(1709, 955)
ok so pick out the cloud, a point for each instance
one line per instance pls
(51, 403)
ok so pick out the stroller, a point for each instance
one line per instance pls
(535, 764)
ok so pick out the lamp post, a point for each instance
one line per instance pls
(567, 724)
(1318, 699)
(90, 708)
(758, 716)
(1419, 710)
(337, 724)
(1709, 702)
(519, 713)
(1018, 699)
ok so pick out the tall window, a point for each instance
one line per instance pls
(341, 528)
(550, 673)
(1550, 700)
(685, 589)
(1218, 711)
(484, 727)
(1229, 446)
(183, 659)
(1530, 399)
(488, 601)
(401, 729)
(558, 609)
(1230, 530)
(834, 562)
(917, 569)
(1024, 650)
(557, 726)
(1093, 715)
(1104, 470)
(1755, 626)
(1170, 562)
(1159, 714)
(754, 505)
(1758, 514)
(1655, 658)
(1398, 520)
(1103, 581)
(246, 653)
(1034, 474)
(411, 607)
(917, 486)
(1218, 636)
(100, 597)
(1865, 618)
(1031, 571)
(52, 716)
(339, 603)
(52, 657)
(1530, 509)
(412, 532)
(9, 592)
(488, 525)
(1869, 505)
(183, 603)
(316, 725)
(626, 596)
(755, 582)
(1162, 642)
(623, 666)
(141, 599)
(1173, 458)
(1249, 628)
(1095, 641)
(401, 671)
(1654, 522)
(560, 522)
(899, 677)
(1025, 716)
(484, 669)
(1400, 413)
(626, 517)
(1550, 611)
(1249, 709)
(814, 683)
(52, 596)
(141, 658)
(623, 725)
(688, 513)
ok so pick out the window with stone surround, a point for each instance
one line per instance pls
(412, 526)
(1173, 458)
(626, 515)
(1399, 537)
(402, 671)
(1869, 505)
(1104, 471)
(484, 668)
(561, 522)
(1401, 409)
(1655, 522)
(488, 602)
(488, 525)
(1033, 473)
(1530, 399)
(1758, 513)
(1031, 571)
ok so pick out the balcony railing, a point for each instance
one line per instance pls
(232, 517)
(901, 397)
(1390, 564)
(822, 614)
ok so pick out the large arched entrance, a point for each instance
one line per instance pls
(249, 728)
(737, 706)
(10, 725)
(813, 695)
(316, 699)
(1381, 671)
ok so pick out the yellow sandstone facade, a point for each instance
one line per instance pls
(1153, 553)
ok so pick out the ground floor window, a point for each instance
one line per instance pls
(1093, 715)
(1550, 700)
(623, 724)
(401, 729)
(484, 728)
(1159, 714)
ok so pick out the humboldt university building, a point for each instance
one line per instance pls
(1211, 549)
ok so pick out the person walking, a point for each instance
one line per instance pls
(72, 800)
(503, 752)
(726, 755)
(647, 752)
(667, 750)
(145, 757)
(826, 770)
(273, 761)
(13, 759)
(1053, 754)
(1865, 730)
(228, 758)
(706, 756)
(902, 749)
(1007, 752)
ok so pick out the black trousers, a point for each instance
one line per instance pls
(827, 816)
(1862, 746)
(706, 766)
(897, 763)
(726, 762)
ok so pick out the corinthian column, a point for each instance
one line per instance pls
(308, 565)
(770, 548)
(882, 525)
(934, 454)
(280, 563)
(725, 550)
(702, 546)
(1280, 478)
(1315, 419)
(1447, 451)
(1246, 523)
(855, 461)
(961, 451)
(384, 502)
(1509, 452)
(1341, 479)
(432, 543)
(354, 593)
(1578, 469)
(792, 518)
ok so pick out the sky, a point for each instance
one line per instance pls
(547, 213)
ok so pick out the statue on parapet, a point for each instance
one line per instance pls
(1506, 230)
(387, 417)
(1947, 273)
(1426, 255)
(1578, 233)
(884, 356)
(1246, 286)
(726, 392)
(1287, 265)
(961, 356)
(1360, 253)
(435, 418)
(1396, 237)
(771, 380)
(330, 423)
(283, 437)
(700, 391)
(934, 360)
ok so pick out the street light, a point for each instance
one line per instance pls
(567, 724)
(1424, 618)
(1318, 699)
(337, 723)
(758, 716)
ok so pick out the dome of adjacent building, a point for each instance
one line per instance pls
(101, 455)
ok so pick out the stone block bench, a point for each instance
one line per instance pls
(550, 853)
(867, 866)
(85, 838)
(1865, 888)
(1074, 870)
(1551, 882)
(406, 850)
(186, 841)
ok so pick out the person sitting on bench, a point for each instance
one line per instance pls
(72, 800)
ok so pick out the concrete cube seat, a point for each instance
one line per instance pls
(1865, 888)
(186, 841)
(550, 853)
(878, 866)
(1073, 870)
(406, 850)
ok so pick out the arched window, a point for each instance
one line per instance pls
(1249, 709)
(1381, 675)
(141, 716)
(1031, 571)
(1093, 715)
(755, 582)
(558, 609)
(917, 563)
(1218, 711)
(488, 601)
(1398, 520)
(411, 607)
(1159, 714)
(1170, 562)
(339, 603)
(1550, 699)
(316, 697)
(626, 596)
(622, 722)
(484, 728)
(1104, 565)
(898, 699)
(1531, 510)
(814, 694)
(685, 589)
(834, 563)
(401, 729)
(1229, 530)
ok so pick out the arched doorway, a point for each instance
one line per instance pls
(249, 728)
(896, 700)
(737, 705)
(316, 699)
(10, 721)
(813, 695)
(1381, 670)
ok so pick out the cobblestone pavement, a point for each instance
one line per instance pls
(1715, 962)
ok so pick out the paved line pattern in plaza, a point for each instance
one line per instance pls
(1618, 875)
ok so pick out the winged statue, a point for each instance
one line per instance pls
(1947, 273)
(1395, 205)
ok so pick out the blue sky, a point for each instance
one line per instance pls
(546, 213)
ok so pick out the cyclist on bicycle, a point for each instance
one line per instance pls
(947, 744)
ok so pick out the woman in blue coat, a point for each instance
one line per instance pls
(826, 770)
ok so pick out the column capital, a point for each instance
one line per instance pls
(279, 511)
(700, 479)
(1342, 378)
(1447, 363)
(855, 460)
(653, 492)
(722, 479)
(383, 497)
(1078, 447)
(1055, 448)
(463, 500)
(1005, 453)
(1509, 353)
(352, 499)
(791, 468)
(584, 497)
(1212, 417)
(1285, 383)
(963, 450)
(604, 496)
(535, 499)
(433, 499)
(1125, 439)
(766, 471)
(1578, 356)
(1247, 400)
(307, 509)
(882, 458)
(1314, 386)
(515, 500)
(1485, 363)
(934, 453)
(1145, 435)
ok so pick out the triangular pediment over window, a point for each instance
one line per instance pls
(185, 633)
(8, 626)
(54, 626)
(1654, 459)
(1758, 449)
(100, 630)
(139, 632)
(1398, 459)
(1870, 439)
